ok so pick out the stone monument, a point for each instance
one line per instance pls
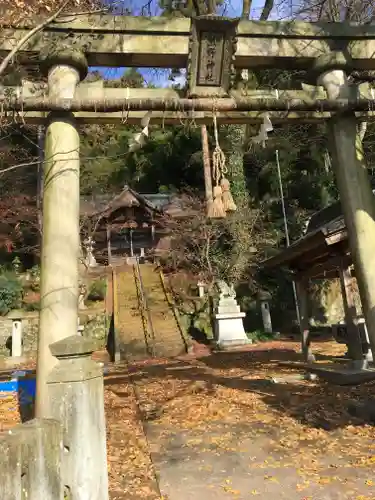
(229, 329)
(89, 247)
(264, 298)
(16, 317)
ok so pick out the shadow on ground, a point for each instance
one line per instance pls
(316, 404)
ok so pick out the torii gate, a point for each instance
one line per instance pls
(211, 48)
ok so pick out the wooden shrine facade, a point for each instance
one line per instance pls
(128, 224)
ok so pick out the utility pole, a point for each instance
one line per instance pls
(286, 230)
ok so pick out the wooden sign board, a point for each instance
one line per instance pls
(211, 56)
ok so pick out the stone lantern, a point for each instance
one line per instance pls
(264, 300)
(89, 248)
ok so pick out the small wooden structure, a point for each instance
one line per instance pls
(322, 253)
(128, 224)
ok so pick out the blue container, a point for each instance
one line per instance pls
(24, 384)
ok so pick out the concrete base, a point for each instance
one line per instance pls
(229, 330)
(339, 374)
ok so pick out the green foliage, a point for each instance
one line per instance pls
(262, 336)
(16, 264)
(11, 292)
(171, 161)
(31, 306)
(35, 278)
(217, 249)
(98, 289)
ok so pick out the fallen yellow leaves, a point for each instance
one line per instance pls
(309, 419)
(229, 489)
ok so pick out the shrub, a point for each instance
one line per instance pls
(97, 290)
(11, 292)
(31, 306)
(262, 336)
(35, 278)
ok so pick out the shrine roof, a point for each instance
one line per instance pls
(325, 237)
(156, 203)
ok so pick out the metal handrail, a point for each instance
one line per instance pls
(173, 307)
(144, 304)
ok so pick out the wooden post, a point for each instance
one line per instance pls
(61, 232)
(302, 293)
(131, 243)
(114, 348)
(357, 199)
(206, 167)
(109, 252)
(354, 339)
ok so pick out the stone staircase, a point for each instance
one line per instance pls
(129, 326)
(143, 334)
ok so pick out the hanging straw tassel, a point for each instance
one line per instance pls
(218, 158)
(210, 209)
(228, 202)
(216, 209)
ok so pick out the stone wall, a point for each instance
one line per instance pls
(95, 324)
(327, 305)
(30, 326)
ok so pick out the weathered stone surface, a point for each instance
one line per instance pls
(96, 90)
(95, 327)
(10, 466)
(229, 329)
(76, 396)
(364, 410)
(61, 232)
(29, 334)
(30, 460)
(72, 346)
(161, 42)
(41, 459)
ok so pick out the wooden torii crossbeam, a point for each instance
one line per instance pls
(94, 103)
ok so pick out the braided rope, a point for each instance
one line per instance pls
(219, 168)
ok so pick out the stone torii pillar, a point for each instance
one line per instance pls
(60, 239)
(357, 199)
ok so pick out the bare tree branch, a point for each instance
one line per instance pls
(246, 8)
(29, 35)
(268, 6)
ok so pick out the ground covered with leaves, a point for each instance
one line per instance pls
(233, 425)
(248, 405)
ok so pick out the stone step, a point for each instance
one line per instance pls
(168, 340)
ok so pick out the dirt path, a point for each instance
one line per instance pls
(219, 427)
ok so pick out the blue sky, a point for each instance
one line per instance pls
(136, 7)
